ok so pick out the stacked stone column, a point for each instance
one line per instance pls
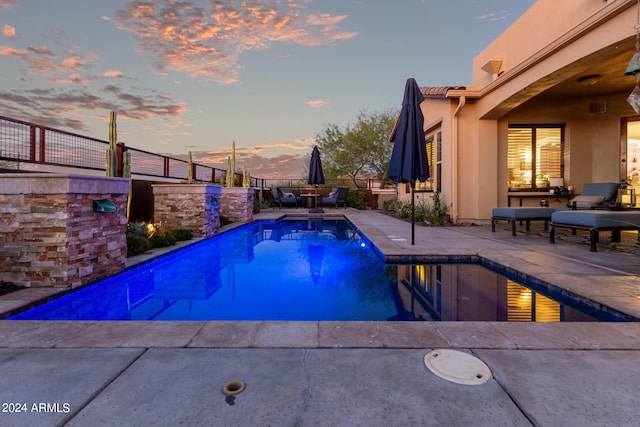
(51, 234)
(194, 207)
(237, 204)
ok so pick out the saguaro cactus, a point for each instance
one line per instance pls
(112, 152)
(126, 173)
(246, 177)
(229, 178)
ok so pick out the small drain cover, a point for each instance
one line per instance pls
(457, 366)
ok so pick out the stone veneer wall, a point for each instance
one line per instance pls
(50, 235)
(237, 203)
(194, 207)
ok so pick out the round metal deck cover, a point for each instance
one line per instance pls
(457, 366)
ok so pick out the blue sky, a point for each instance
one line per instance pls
(199, 75)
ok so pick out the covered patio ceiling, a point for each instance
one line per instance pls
(607, 66)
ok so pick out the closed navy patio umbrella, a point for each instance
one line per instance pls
(409, 156)
(316, 175)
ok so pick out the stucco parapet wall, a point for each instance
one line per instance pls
(208, 189)
(43, 183)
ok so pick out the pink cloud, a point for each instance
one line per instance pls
(9, 51)
(9, 31)
(285, 166)
(317, 103)
(296, 145)
(73, 63)
(47, 106)
(492, 17)
(8, 4)
(43, 61)
(73, 78)
(75, 93)
(112, 73)
(205, 39)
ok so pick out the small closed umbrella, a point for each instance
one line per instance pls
(409, 156)
(316, 175)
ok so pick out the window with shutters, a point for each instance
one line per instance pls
(535, 155)
(428, 184)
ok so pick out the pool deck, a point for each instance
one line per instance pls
(343, 373)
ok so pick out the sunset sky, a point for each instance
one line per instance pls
(198, 75)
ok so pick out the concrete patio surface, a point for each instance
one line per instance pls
(343, 373)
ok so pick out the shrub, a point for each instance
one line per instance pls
(355, 199)
(434, 213)
(437, 212)
(405, 211)
(138, 229)
(162, 240)
(420, 212)
(392, 205)
(182, 235)
(137, 244)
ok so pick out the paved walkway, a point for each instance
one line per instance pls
(343, 373)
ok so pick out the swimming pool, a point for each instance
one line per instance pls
(301, 269)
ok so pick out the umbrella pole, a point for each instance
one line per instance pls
(413, 240)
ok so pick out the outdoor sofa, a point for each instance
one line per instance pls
(595, 221)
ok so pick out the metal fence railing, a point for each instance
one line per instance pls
(25, 142)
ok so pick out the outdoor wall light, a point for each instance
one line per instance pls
(103, 206)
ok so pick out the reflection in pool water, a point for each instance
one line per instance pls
(471, 292)
(300, 270)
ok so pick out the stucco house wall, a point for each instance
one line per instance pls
(515, 81)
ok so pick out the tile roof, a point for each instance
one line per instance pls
(438, 91)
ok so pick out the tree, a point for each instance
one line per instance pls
(361, 149)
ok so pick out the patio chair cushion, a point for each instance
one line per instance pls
(590, 191)
(595, 221)
(608, 190)
(339, 196)
(586, 202)
(516, 214)
(522, 213)
(623, 220)
(288, 194)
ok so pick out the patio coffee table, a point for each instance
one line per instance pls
(310, 200)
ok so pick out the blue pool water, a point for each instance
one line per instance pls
(266, 270)
(307, 269)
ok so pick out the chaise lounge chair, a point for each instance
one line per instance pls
(595, 221)
(521, 214)
(597, 195)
